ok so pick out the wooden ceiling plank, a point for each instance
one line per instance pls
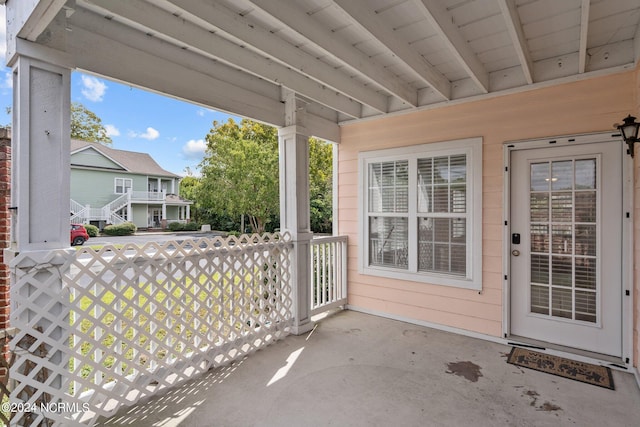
(514, 27)
(584, 31)
(173, 27)
(369, 21)
(131, 61)
(296, 19)
(285, 53)
(439, 18)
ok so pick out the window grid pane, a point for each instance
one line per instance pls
(389, 186)
(388, 241)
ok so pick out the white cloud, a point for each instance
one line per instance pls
(150, 134)
(112, 130)
(194, 149)
(93, 89)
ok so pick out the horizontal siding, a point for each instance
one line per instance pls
(96, 188)
(573, 108)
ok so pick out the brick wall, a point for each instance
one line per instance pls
(5, 200)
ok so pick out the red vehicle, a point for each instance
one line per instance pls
(79, 234)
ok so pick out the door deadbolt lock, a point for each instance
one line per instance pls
(515, 252)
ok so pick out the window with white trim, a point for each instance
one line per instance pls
(122, 185)
(422, 213)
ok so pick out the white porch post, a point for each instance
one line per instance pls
(129, 208)
(188, 215)
(40, 224)
(294, 205)
(41, 155)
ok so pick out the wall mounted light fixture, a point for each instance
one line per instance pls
(629, 131)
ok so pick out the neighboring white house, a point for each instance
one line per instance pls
(110, 186)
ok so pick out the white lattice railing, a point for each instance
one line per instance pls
(328, 273)
(125, 323)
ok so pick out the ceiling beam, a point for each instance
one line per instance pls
(299, 21)
(27, 19)
(514, 28)
(115, 51)
(440, 20)
(159, 21)
(212, 15)
(584, 32)
(363, 15)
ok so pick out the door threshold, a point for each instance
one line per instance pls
(568, 352)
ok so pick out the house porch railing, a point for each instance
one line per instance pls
(148, 196)
(328, 273)
(126, 323)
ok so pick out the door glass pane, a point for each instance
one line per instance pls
(540, 177)
(540, 238)
(539, 205)
(564, 239)
(561, 303)
(540, 299)
(540, 269)
(585, 174)
(562, 175)
(561, 268)
(585, 206)
(562, 206)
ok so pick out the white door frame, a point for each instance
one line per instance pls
(627, 229)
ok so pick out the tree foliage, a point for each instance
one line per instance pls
(320, 185)
(240, 177)
(87, 126)
(189, 186)
(240, 172)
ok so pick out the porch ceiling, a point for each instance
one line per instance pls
(350, 59)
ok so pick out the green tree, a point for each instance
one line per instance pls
(240, 172)
(189, 186)
(87, 126)
(320, 185)
(240, 177)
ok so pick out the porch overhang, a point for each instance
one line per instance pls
(348, 60)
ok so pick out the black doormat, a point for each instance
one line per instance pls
(567, 368)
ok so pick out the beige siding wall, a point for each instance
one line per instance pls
(572, 108)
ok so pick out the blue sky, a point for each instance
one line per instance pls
(171, 131)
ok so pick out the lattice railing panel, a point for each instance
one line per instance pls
(125, 323)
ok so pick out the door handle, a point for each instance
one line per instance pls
(515, 252)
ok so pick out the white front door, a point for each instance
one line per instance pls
(566, 270)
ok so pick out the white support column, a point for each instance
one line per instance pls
(41, 155)
(294, 205)
(40, 248)
(188, 216)
(173, 186)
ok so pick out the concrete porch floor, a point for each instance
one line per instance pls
(356, 369)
